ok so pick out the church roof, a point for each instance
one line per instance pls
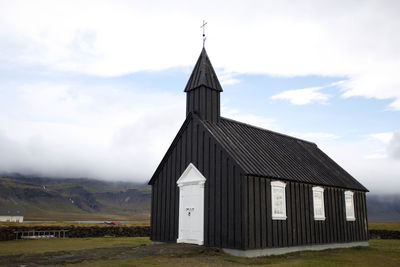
(203, 75)
(266, 153)
(261, 152)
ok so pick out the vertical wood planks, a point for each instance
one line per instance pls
(289, 205)
(257, 212)
(269, 212)
(300, 227)
(245, 214)
(212, 192)
(231, 205)
(263, 211)
(251, 211)
(224, 202)
(218, 199)
(238, 208)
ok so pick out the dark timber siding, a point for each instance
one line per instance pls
(205, 102)
(222, 201)
(299, 228)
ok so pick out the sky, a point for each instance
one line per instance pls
(95, 88)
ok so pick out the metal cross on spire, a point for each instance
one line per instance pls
(204, 31)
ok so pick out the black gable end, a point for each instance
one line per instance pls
(192, 117)
(223, 212)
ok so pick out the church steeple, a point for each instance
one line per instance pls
(203, 89)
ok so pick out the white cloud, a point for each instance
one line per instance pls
(367, 162)
(64, 130)
(382, 137)
(391, 140)
(227, 78)
(303, 96)
(380, 82)
(70, 131)
(316, 136)
(285, 38)
(394, 145)
(381, 154)
(265, 123)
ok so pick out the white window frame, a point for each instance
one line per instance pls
(319, 190)
(278, 185)
(349, 217)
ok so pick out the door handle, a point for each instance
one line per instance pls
(189, 211)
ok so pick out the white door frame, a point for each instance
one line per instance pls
(193, 181)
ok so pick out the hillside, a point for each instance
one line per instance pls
(75, 199)
(90, 199)
(383, 207)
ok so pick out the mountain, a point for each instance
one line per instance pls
(90, 199)
(383, 207)
(75, 199)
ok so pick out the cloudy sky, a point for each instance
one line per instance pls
(95, 88)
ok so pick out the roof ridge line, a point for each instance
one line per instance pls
(277, 133)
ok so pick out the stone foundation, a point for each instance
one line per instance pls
(251, 253)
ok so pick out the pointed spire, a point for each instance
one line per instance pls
(203, 75)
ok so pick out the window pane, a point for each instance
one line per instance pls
(278, 208)
(318, 204)
(349, 206)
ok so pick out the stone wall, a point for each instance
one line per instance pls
(8, 233)
(384, 234)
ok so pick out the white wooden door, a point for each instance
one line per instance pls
(191, 207)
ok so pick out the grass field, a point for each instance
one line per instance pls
(392, 226)
(139, 252)
(67, 244)
(62, 223)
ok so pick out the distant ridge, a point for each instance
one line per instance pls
(385, 208)
(77, 198)
(74, 198)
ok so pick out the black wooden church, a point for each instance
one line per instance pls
(228, 184)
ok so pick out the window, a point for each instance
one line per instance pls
(278, 200)
(348, 198)
(318, 200)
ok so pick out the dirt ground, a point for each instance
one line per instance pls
(113, 253)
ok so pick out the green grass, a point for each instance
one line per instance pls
(67, 244)
(379, 253)
(393, 226)
(64, 224)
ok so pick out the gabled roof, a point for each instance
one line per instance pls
(203, 74)
(190, 118)
(266, 153)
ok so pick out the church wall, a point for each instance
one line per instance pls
(223, 202)
(300, 228)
